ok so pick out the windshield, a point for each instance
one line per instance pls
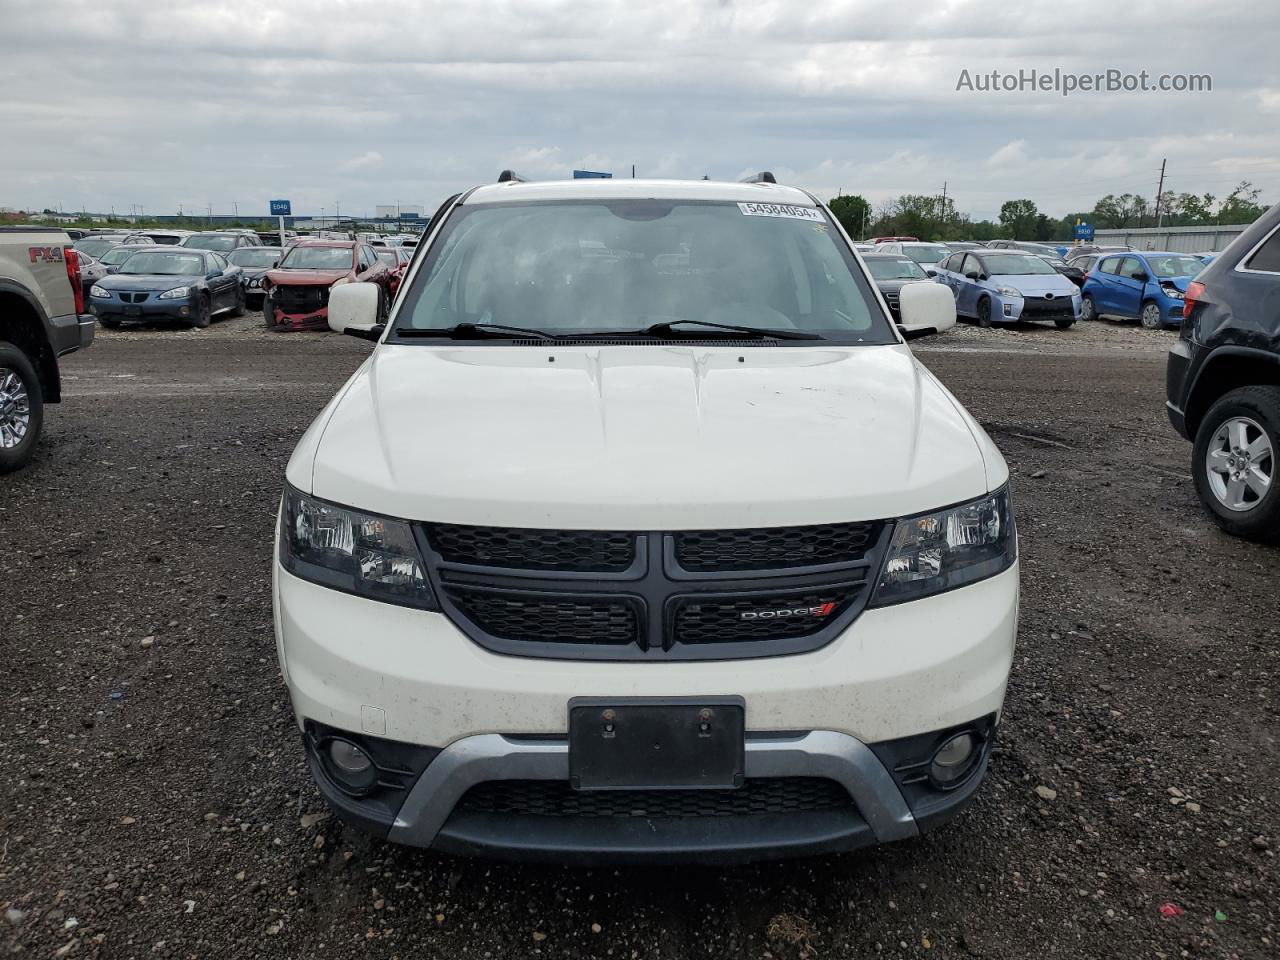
(166, 263)
(1015, 264)
(387, 256)
(577, 267)
(211, 241)
(925, 252)
(896, 270)
(117, 255)
(1185, 266)
(255, 257)
(94, 246)
(317, 258)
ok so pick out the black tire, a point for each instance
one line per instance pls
(238, 309)
(1088, 309)
(203, 316)
(984, 312)
(1065, 323)
(1259, 517)
(1151, 319)
(18, 376)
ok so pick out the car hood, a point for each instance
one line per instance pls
(1036, 284)
(254, 272)
(1179, 282)
(308, 277)
(895, 286)
(148, 281)
(644, 438)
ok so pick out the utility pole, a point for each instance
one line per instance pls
(235, 205)
(942, 214)
(633, 171)
(1159, 194)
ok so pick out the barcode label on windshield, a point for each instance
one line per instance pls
(781, 210)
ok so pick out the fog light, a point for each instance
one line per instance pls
(953, 759)
(349, 766)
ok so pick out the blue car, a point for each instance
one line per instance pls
(1008, 285)
(1147, 287)
(174, 283)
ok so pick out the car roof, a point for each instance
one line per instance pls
(900, 257)
(325, 242)
(596, 188)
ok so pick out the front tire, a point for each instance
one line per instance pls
(1088, 310)
(1151, 318)
(1064, 323)
(21, 408)
(203, 315)
(1234, 462)
(238, 309)
(984, 312)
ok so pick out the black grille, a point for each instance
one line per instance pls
(133, 297)
(555, 798)
(526, 549)
(1040, 308)
(546, 619)
(766, 548)
(718, 620)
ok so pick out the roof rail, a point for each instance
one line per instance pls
(510, 176)
(764, 176)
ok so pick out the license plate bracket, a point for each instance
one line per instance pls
(656, 744)
(132, 311)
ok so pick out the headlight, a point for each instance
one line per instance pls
(97, 291)
(1172, 291)
(360, 553)
(941, 551)
(1009, 291)
(254, 282)
(177, 293)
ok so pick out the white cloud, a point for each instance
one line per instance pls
(369, 160)
(1013, 153)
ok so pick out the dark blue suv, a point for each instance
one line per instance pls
(1147, 287)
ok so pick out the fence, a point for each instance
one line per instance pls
(1175, 239)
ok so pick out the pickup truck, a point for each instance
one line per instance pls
(42, 318)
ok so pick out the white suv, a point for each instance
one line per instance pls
(642, 534)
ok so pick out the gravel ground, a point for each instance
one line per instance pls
(155, 802)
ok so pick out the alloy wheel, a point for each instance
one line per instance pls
(1240, 464)
(15, 409)
(1151, 318)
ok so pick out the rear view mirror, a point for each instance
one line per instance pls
(925, 308)
(972, 275)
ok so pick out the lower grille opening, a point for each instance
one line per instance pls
(555, 798)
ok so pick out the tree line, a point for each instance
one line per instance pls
(936, 218)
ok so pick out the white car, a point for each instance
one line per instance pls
(672, 550)
(928, 255)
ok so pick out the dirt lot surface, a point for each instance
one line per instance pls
(155, 804)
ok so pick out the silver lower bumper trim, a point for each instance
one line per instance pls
(819, 753)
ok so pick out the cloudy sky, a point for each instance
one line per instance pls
(347, 103)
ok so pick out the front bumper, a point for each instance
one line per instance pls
(411, 678)
(150, 309)
(1036, 308)
(285, 322)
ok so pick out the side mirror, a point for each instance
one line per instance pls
(973, 275)
(925, 308)
(353, 309)
(213, 274)
(1141, 276)
(113, 269)
(931, 273)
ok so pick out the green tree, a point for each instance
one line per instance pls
(1020, 217)
(853, 212)
(1241, 204)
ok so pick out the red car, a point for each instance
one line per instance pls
(297, 291)
(397, 261)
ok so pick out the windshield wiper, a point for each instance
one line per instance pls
(668, 327)
(478, 330)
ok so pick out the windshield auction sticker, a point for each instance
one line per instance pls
(780, 210)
